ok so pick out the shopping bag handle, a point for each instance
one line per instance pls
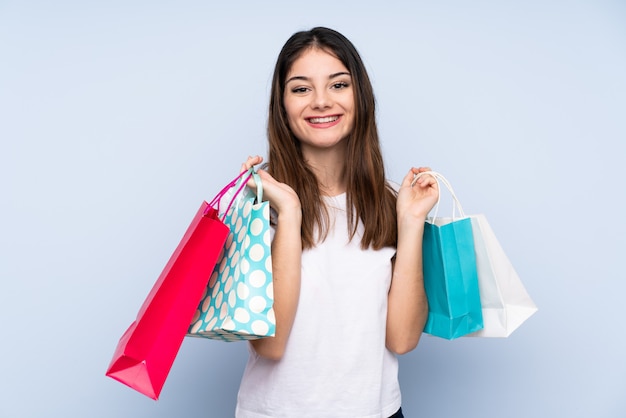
(218, 197)
(259, 190)
(441, 179)
(259, 186)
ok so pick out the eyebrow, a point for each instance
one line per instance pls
(330, 77)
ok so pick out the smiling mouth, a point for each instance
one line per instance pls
(327, 119)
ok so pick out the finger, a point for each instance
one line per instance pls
(428, 181)
(409, 178)
(265, 176)
(414, 172)
(419, 177)
(251, 162)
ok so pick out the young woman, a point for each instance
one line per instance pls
(347, 246)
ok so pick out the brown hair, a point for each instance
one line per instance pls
(369, 196)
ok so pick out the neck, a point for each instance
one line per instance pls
(329, 169)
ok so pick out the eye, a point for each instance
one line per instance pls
(299, 90)
(340, 85)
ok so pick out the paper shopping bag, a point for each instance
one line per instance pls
(505, 302)
(450, 274)
(146, 351)
(451, 279)
(238, 302)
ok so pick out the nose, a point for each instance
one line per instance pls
(321, 100)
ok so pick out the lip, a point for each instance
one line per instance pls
(323, 125)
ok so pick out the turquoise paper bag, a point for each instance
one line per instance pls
(238, 302)
(450, 275)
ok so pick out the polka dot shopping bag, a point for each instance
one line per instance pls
(238, 302)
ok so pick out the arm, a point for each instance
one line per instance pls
(286, 261)
(407, 305)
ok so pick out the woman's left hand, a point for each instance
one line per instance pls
(417, 197)
(407, 309)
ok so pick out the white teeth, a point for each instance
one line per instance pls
(324, 120)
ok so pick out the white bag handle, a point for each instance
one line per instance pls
(441, 179)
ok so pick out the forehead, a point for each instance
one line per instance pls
(316, 61)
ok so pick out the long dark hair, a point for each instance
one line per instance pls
(369, 196)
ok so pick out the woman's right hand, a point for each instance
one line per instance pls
(280, 195)
(286, 259)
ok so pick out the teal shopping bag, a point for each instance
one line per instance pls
(450, 273)
(451, 279)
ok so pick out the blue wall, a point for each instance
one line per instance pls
(117, 118)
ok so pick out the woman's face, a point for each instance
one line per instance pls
(319, 100)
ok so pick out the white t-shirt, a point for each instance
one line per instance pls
(335, 363)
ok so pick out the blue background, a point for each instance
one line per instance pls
(118, 118)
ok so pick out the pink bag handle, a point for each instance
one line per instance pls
(217, 199)
(239, 189)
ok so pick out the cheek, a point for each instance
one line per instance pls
(351, 105)
(292, 115)
(289, 110)
(291, 121)
(348, 104)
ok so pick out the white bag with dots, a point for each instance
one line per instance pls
(238, 301)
